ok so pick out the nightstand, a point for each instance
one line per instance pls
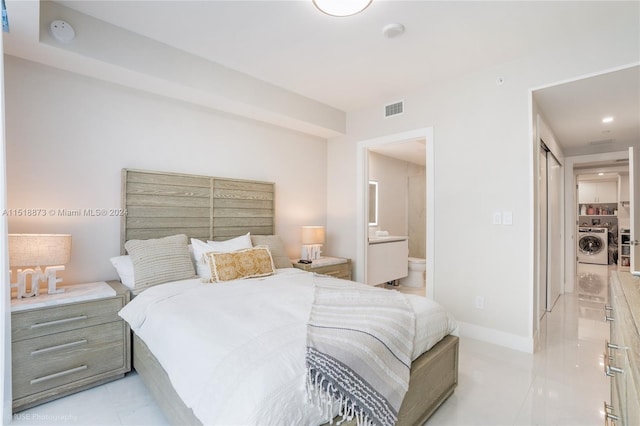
(335, 266)
(67, 342)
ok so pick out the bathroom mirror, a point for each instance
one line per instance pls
(373, 203)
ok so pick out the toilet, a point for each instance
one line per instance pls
(417, 273)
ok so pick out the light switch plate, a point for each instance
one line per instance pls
(497, 218)
(507, 218)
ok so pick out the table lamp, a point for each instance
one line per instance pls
(312, 239)
(34, 251)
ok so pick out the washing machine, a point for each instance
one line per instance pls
(593, 245)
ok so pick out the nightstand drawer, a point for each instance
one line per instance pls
(50, 361)
(40, 322)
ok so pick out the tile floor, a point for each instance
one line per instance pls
(562, 384)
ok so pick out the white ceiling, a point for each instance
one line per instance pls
(575, 111)
(347, 63)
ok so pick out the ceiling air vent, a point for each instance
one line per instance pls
(395, 108)
(602, 142)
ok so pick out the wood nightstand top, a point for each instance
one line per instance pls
(323, 261)
(338, 267)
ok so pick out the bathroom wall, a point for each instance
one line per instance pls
(391, 175)
(417, 211)
(402, 199)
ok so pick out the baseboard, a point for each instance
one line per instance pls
(496, 337)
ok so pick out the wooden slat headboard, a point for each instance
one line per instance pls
(160, 204)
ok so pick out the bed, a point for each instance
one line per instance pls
(212, 209)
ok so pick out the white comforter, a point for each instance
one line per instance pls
(235, 351)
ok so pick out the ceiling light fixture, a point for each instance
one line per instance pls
(607, 120)
(341, 8)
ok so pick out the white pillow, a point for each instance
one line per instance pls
(124, 266)
(237, 243)
(200, 248)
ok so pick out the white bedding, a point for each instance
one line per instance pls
(235, 351)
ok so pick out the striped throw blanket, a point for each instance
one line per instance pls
(359, 346)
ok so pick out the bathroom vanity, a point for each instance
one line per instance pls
(387, 259)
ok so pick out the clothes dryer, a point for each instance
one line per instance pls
(593, 245)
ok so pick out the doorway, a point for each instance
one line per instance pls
(362, 201)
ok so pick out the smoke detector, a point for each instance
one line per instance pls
(393, 30)
(62, 31)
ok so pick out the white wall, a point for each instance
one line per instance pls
(483, 163)
(68, 137)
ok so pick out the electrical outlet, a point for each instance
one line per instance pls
(479, 302)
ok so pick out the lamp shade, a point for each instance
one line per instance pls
(341, 7)
(39, 249)
(312, 235)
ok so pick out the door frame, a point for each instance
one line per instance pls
(362, 199)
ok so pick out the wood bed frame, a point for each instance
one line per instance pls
(160, 204)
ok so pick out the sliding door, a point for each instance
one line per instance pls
(554, 230)
(634, 198)
(543, 253)
(550, 232)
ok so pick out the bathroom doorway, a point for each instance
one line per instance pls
(399, 170)
(403, 147)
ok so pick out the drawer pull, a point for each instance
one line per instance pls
(608, 415)
(59, 374)
(57, 322)
(55, 348)
(606, 313)
(333, 273)
(607, 349)
(609, 369)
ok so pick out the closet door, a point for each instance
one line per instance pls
(554, 228)
(543, 255)
(634, 203)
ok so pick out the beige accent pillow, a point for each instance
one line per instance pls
(236, 265)
(276, 247)
(159, 261)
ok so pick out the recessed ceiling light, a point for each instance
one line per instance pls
(600, 174)
(607, 120)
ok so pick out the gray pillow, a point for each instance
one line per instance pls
(159, 261)
(276, 247)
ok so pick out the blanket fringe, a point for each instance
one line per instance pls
(325, 396)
